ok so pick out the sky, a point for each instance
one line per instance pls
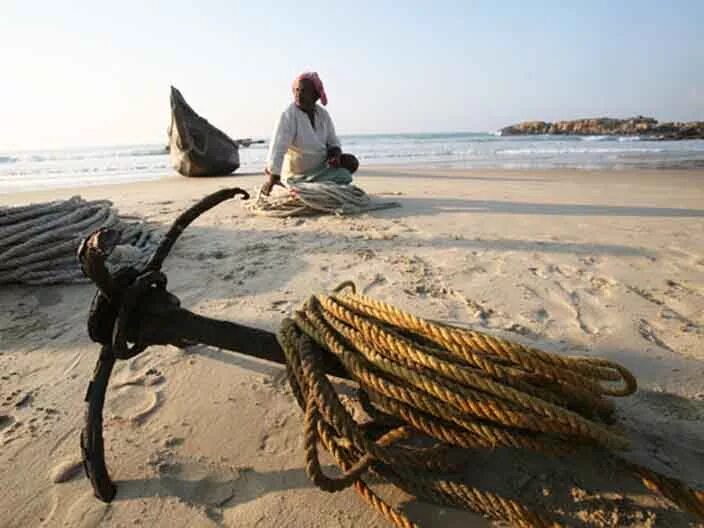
(98, 73)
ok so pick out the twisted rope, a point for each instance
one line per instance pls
(315, 198)
(38, 242)
(454, 388)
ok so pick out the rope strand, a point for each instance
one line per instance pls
(452, 387)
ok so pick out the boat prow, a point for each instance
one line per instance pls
(196, 147)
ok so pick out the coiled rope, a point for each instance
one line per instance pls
(38, 242)
(453, 388)
(317, 197)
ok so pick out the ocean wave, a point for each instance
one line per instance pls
(621, 139)
(596, 138)
(561, 137)
(61, 156)
(396, 154)
(578, 150)
(159, 151)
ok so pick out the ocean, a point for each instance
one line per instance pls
(47, 169)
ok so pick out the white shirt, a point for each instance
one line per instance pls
(296, 147)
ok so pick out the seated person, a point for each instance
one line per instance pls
(304, 146)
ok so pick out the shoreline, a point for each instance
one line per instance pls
(608, 265)
(463, 151)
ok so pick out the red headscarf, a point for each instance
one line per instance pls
(317, 84)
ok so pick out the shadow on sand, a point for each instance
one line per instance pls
(461, 205)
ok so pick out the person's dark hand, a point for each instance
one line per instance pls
(272, 180)
(334, 155)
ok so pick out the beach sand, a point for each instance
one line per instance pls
(607, 264)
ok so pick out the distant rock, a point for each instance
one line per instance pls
(606, 126)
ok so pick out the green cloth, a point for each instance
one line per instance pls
(323, 174)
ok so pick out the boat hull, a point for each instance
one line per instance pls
(197, 148)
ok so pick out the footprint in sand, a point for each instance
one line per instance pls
(540, 315)
(154, 402)
(549, 271)
(586, 309)
(677, 289)
(277, 438)
(589, 312)
(644, 294)
(647, 331)
(365, 253)
(85, 512)
(150, 376)
(477, 311)
(133, 404)
(602, 285)
(12, 430)
(199, 483)
(378, 280)
(589, 260)
(203, 488)
(517, 328)
(5, 421)
(66, 470)
(24, 400)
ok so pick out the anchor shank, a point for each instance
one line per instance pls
(180, 327)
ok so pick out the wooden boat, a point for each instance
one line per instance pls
(196, 147)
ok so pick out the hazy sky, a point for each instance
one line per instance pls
(98, 73)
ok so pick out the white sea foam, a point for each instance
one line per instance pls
(576, 150)
(72, 155)
(596, 138)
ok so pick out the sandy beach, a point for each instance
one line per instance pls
(597, 263)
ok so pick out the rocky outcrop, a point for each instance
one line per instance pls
(605, 126)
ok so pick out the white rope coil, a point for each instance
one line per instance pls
(317, 197)
(38, 242)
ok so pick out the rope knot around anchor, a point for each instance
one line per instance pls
(114, 320)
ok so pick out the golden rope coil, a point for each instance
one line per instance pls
(453, 387)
